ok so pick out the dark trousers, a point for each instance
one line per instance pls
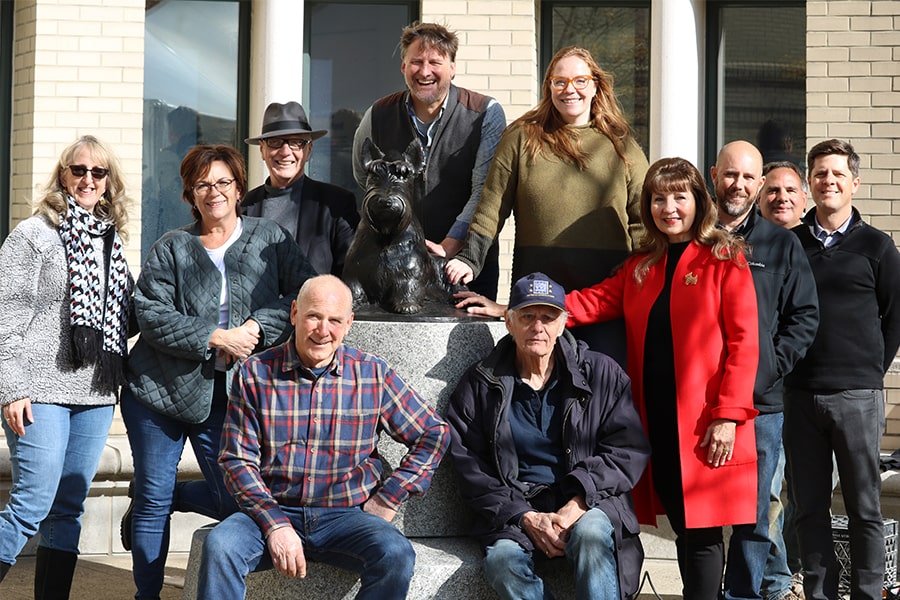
(850, 424)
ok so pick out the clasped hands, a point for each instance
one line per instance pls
(550, 531)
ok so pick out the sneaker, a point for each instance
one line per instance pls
(125, 525)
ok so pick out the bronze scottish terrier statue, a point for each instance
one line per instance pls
(388, 263)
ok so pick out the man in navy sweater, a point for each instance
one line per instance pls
(834, 398)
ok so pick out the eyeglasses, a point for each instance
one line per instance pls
(81, 171)
(578, 82)
(222, 185)
(277, 143)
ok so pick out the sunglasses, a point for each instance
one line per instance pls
(81, 171)
(277, 143)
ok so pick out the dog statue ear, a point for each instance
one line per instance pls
(370, 153)
(415, 155)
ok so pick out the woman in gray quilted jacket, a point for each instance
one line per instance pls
(65, 299)
(210, 293)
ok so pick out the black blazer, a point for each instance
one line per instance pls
(326, 221)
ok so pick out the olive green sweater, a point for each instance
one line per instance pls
(573, 225)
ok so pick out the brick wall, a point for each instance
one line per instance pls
(853, 93)
(497, 56)
(78, 69)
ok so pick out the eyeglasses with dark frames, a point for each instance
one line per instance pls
(204, 188)
(81, 171)
(297, 144)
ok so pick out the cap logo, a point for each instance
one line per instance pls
(539, 287)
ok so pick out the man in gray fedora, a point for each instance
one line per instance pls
(321, 217)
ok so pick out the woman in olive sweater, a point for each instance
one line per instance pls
(570, 172)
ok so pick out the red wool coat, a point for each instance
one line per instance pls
(716, 348)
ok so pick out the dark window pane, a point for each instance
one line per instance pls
(354, 59)
(190, 97)
(619, 40)
(763, 79)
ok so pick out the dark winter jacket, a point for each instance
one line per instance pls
(171, 368)
(605, 446)
(787, 303)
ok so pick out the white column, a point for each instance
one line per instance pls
(677, 46)
(276, 59)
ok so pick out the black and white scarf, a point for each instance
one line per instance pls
(99, 325)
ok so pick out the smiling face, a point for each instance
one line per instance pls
(428, 73)
(673, 214)
(285, 165)
(574, 106)
(782, 199)
(737, 175)
(86, 190)
(321, 316)
(216, 206)
(833, 185)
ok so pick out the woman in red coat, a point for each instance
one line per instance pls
(689, 306)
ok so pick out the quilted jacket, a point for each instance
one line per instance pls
(171, 367)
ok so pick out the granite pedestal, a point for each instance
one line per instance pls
(431, 355)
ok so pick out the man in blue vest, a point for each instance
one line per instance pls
(458, 129)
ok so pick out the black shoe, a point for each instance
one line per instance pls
(4, 569)
(125, 525)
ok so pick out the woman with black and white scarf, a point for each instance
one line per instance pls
(65, 302)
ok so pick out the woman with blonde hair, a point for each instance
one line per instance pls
(570, 172)
(65, 302)
(689, 305)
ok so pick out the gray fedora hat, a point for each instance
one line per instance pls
(285, 119)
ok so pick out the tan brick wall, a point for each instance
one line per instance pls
(853, 93)
(78, 70)
(498, 56)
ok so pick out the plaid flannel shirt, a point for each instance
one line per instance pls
(293, 439)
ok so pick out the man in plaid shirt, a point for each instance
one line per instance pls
(299, 456)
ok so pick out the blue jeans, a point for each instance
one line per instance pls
(348, 538)
(751, 545)
(591, 549)
(157, 442)
(53, 465)
(777, 575)
(850, 424)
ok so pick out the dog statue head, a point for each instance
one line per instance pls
(393, 184)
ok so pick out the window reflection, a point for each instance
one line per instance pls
(190, 97)
(354, 59)
(619, 39)
(762, 79)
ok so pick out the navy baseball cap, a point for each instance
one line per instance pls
(534, 289)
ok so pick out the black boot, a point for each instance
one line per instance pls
(4, 568)
(125, 524)
(53, 571)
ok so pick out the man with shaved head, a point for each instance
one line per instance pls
(788, 318)
(299, 456)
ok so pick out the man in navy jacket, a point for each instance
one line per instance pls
(547, 444)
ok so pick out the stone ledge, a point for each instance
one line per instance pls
(446, 569)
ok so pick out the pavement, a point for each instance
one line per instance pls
(109, 578)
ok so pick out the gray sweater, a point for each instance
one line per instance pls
(35, 338)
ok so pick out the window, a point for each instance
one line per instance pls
(617, 34)
(353, 58)
(756, 56)
(191, 83)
